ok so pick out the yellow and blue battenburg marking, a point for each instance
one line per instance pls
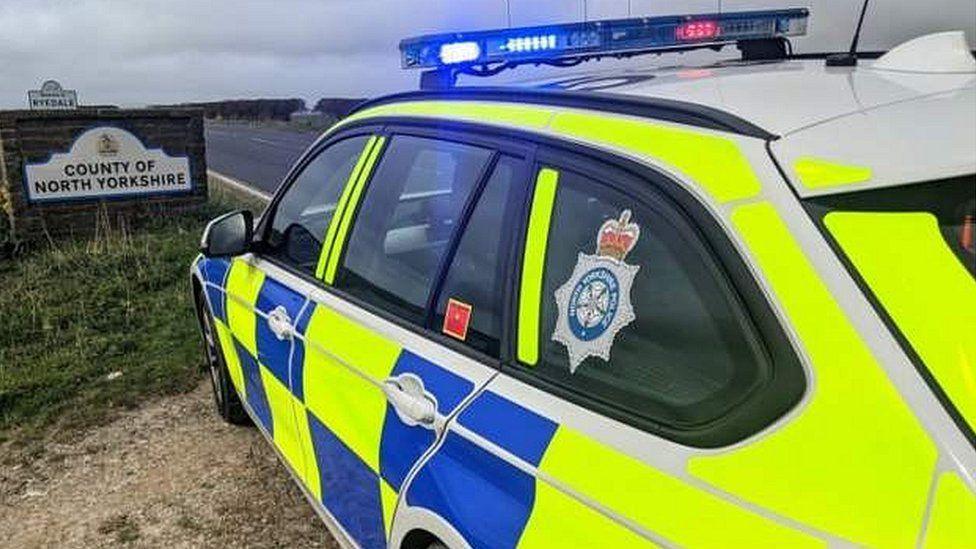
(486, 498)
(494, 503)
(332, 425)
(214, 271)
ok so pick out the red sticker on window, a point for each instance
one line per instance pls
(456, 319)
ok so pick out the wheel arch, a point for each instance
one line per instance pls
(197, 293)
(419, 539)
(418, 528)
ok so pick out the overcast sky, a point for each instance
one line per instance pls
(132, 52)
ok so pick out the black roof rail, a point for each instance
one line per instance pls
(668, 110)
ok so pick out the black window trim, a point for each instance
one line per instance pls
(788, 382)
(740, 419)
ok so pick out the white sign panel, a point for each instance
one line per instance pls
(52, 96)
(107, 162)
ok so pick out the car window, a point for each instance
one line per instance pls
(469, 307)
(305, 210)
(406, 221)
(635, 313)
(913, 249)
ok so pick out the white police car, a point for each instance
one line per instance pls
(728, 305)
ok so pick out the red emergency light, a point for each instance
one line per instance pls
(697, 30)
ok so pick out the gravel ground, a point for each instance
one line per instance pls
(169, 474)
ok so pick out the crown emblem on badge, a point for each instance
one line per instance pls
(107, 145)
(617, 237)
(594, 303)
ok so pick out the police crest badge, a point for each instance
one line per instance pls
(594, 304)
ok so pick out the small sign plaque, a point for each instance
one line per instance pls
(456, 319)
(107, 162)
(52, 96)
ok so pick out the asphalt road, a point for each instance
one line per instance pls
(252, 154)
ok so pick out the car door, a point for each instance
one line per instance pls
(385, 365)
(635, 348)
(264, 301)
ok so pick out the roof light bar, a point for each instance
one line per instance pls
(598, 38)
(459, 52)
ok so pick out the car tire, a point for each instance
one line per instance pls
(226, 399)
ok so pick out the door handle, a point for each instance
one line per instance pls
(280, 324)
(411, 401)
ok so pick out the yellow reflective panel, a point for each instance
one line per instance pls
(533, 262)
(286, 437)
(388, 498)
(311, 476)
(349, 210)
(953, 520)
(506, 114)
(923, 287)
(340, 206)
(350, 406)
(815, 173)
(682, 514)
(354, 344)
(855, 462)
(714, 162)
(230, 356)
(558, 520)
(243, 284)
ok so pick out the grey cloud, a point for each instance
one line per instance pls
(143, 52)
(150, 51)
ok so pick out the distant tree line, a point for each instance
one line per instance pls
(337, 107)
(249, 109)
(271, 109)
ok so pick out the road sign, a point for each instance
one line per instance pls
(107, 162)
(52, 96)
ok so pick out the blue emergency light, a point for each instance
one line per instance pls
(555, 44)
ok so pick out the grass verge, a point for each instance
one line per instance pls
(90, 327)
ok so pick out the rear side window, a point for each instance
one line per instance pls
(473, 290)
(913, 250)
(406, 220)
(304, 212)
(636, 315)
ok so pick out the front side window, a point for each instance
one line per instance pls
(304, 212)
(406, 220)
(636, 316)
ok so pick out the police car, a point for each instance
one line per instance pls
(727, 305)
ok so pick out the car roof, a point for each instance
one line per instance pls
(898, 126)
(781, 97)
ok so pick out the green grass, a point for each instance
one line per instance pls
(74, 312)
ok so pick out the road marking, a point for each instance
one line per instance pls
(266, 141)
(239, 185)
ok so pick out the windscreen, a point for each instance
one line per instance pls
(913, 249)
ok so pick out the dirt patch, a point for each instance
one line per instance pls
(168, 474)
